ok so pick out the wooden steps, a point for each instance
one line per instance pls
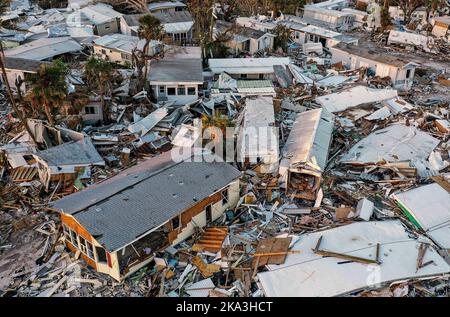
(212, 239)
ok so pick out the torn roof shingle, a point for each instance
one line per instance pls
(121, 209)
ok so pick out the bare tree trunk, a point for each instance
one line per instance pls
(11, 97)
(145, 50)
(48, 112)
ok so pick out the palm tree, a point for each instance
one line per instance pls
(99, 74)
(150, 28)
(48, 87)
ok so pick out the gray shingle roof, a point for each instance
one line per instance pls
(72, 153)
(173, 17)
(131, 203)
(23, 64)
(185, 70)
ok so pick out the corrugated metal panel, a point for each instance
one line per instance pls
(310, 138)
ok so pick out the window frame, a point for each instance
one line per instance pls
(174, 91)
(94, 110)
(178, 220)
(190, 89)
(183, 87)
(74, 236)
(90, 252)
(225, 196)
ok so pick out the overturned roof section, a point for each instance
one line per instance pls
(355, 96)
(44, 48)
(428, 207)
(395, 143)
(72, 153)
(135, 201)
(309, 140)
(143, 126)
(246, 65)
(318, 276)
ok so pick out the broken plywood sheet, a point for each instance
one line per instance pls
(315, 275)
(397, 142)
(428, 207)
(271, 246)
(354, 97)
(207, 270)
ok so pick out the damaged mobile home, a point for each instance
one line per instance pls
(184, 195)
(305, 154)
(258, 138)
(332, 177)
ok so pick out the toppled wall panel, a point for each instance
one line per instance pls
(353, 97)
(315, 275)
(395, 143)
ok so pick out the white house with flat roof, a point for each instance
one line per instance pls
(251, 68)
(400, 71)
(330, 13)
(178, 77)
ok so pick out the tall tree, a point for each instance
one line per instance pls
(203, 14)
(282, 36)
(150, 28)
(48, 87)
(99, 75)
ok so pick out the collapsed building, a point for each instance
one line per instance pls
(198, 193)
(305, 154)
(258, 138)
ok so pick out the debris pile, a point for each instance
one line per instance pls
(339, 174)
